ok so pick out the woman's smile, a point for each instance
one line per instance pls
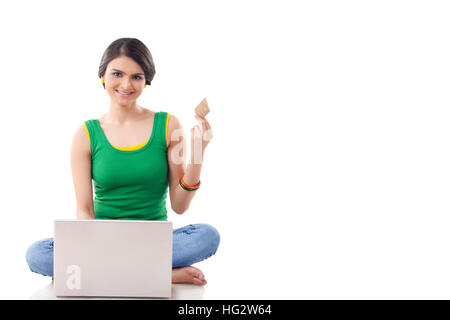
(124, 94)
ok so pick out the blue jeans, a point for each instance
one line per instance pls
(191, 244)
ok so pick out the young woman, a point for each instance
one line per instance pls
(128, 155)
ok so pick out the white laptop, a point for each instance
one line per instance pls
(113, 258)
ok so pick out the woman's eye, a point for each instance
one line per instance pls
(136, 77)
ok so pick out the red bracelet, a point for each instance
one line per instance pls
(188, 186)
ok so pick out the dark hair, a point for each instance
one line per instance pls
(132, 48)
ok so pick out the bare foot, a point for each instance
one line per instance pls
(188, 275)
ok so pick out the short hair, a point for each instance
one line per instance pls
(132, 48)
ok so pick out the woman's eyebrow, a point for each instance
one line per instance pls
(140, 73)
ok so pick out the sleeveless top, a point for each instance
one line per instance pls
(130, 182)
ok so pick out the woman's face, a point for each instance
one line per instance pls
(124, 80)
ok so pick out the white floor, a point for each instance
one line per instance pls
(179, 292)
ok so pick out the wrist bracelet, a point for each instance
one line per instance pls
(188, 187)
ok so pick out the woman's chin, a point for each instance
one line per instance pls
(124, 102)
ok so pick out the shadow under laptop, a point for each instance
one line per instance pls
(179, 292)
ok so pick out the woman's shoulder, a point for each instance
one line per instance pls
(148, 113)
(173, 128)
(81, 141)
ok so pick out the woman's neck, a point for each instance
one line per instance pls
(123, 115)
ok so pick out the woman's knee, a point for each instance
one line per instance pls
(31, 254)
(39, 257)
(211, 237)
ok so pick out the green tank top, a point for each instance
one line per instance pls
(133, 184)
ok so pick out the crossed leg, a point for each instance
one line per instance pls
(191, 244)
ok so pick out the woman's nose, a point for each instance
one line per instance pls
(126, 84)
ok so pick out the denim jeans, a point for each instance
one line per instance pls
(191, 244)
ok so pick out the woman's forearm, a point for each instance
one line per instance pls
(200, 137)
(183, 198)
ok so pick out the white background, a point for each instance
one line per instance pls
(328, 174)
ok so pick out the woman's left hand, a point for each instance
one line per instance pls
(201, 135)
